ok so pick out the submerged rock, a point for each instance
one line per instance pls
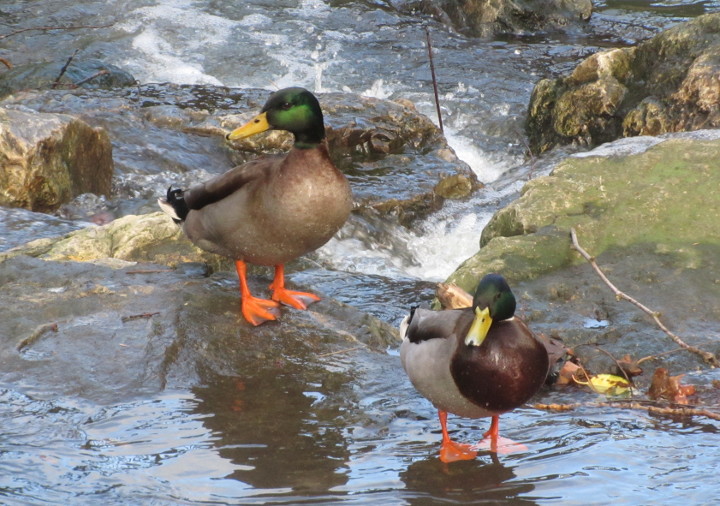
(666, 84)
(47, 159)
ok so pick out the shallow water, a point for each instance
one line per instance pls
(224, 443)
(265, 440)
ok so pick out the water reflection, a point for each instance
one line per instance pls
(468, 482)
(276, 429)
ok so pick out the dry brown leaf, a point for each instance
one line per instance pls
(629, 366)
(664, 386)
(567, 373)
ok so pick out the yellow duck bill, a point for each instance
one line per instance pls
(256, 125)
(479, 328)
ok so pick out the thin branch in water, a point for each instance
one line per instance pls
(6, 62)
(49, 28)
(40, 331)
(434, 80)
(138, 316)
(708, 357)
(64, 69)
(611, 20)
(337, 352)
(657, 410)
(148, 271)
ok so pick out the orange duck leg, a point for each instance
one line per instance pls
(254, 309)
(450, 451)
(298, 300)
(493, 441)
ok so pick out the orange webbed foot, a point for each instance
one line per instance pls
(501, 445)
(257, 311)
(450, 451)
(495, 443)
(292, 298)
(298, 300)
(254, 309)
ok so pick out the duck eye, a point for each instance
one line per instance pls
(285, 106)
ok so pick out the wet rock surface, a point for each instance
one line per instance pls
(638, 214)
(126, 329)
(665, 84)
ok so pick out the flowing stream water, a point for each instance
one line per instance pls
(185, 447)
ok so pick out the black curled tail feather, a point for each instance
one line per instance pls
(174, 205)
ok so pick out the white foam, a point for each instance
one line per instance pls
(168, 55)
(352, 255)
(486, 169)
(444, 244)
(312, 8)
(441, 244)
(163, 66)
(378, 89)
(255, 21)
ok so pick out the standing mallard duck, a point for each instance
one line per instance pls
(271, 210)
(473, 362)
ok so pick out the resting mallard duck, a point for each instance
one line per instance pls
(473, 362)
(271, 210)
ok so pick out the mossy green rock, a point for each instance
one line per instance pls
(664, 196)
(665, 84)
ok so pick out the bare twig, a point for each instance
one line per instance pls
(346, 350)
(49, 28)
(617, 364)
(148, 271)
(650, 408)
(6, 62)
(611, 20)
(708, 357)
(138, 316)
(434, 79)
(96, 74)
(37, 334)
(64, 69)
(533, 159)
(657, 355)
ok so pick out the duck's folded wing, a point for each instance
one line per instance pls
(226, 184)
(425, 324)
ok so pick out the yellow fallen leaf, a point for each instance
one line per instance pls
(607, 384)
